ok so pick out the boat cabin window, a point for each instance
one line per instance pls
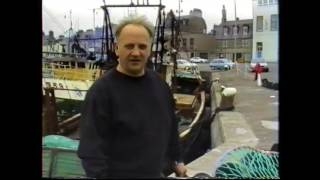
(73, 64)
(81, 65)
(65, 64)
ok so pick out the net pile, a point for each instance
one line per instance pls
(248, 163)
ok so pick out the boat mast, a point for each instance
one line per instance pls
(70, 29)
(174, 46)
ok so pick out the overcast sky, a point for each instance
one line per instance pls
(56, 13)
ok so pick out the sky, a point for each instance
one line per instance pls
(56, 13)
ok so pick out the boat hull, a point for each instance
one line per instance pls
(67, 89)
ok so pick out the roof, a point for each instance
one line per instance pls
(243, 21)
(190, 23)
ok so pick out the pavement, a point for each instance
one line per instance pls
(253, 121)
(258, 105)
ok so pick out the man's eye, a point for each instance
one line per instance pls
(129, 46)
(142, 46)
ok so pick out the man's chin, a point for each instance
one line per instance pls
(136, 70)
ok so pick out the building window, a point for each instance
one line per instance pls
(231, 43)
(274, 22)
(220, 44)
(259, 49)
(259, 23)
(245, 30)
(265, 2)
(225, 31)
(259, 2)
(245, 43)
(179, 42)
(275, 1)
(239, 43)
(225, 44)
(191, 43)
(235, 30)
(184, 43)
(271, 2)
(203, 55)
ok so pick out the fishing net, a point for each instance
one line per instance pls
(60, 159)
(60, 142)
(248, 163)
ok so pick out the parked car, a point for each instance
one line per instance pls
(185, 64)
(231, 64)
(198, 60)
(221, 64)
(262, 63)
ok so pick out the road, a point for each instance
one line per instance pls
(258, 105)
(272, 75)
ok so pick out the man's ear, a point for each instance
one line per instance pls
(116, 48)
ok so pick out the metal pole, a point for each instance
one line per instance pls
(235, 26)
(179, 11)
(94, 31)
(235, 37)
(178, 25)
(69, 33)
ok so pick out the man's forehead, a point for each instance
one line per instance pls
(129, 28)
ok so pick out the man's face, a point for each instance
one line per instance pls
(133, 49)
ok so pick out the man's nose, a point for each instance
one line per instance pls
(135, 51)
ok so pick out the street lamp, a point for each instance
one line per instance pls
(179, 11)
(179, 8)
(235, 36)
(235, 31)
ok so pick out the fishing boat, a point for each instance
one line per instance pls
(70, 77)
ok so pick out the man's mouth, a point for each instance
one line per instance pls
(135, 60)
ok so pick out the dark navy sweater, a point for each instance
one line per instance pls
(128, 127)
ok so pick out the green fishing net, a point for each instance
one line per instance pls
(60, 159)
(248, 163)
(59, 142)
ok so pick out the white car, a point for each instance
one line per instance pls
(185, 65)
(198, 60)
(262, 63)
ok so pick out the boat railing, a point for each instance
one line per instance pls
(197, 117)
(51, 54)
(76, 74)
(60, 71)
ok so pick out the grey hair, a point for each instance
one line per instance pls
(136, 20)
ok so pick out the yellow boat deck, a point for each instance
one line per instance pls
(59, 71)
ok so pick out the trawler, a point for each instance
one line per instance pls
(70, 77)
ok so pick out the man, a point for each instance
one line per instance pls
(258, 70)
(128, 126)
